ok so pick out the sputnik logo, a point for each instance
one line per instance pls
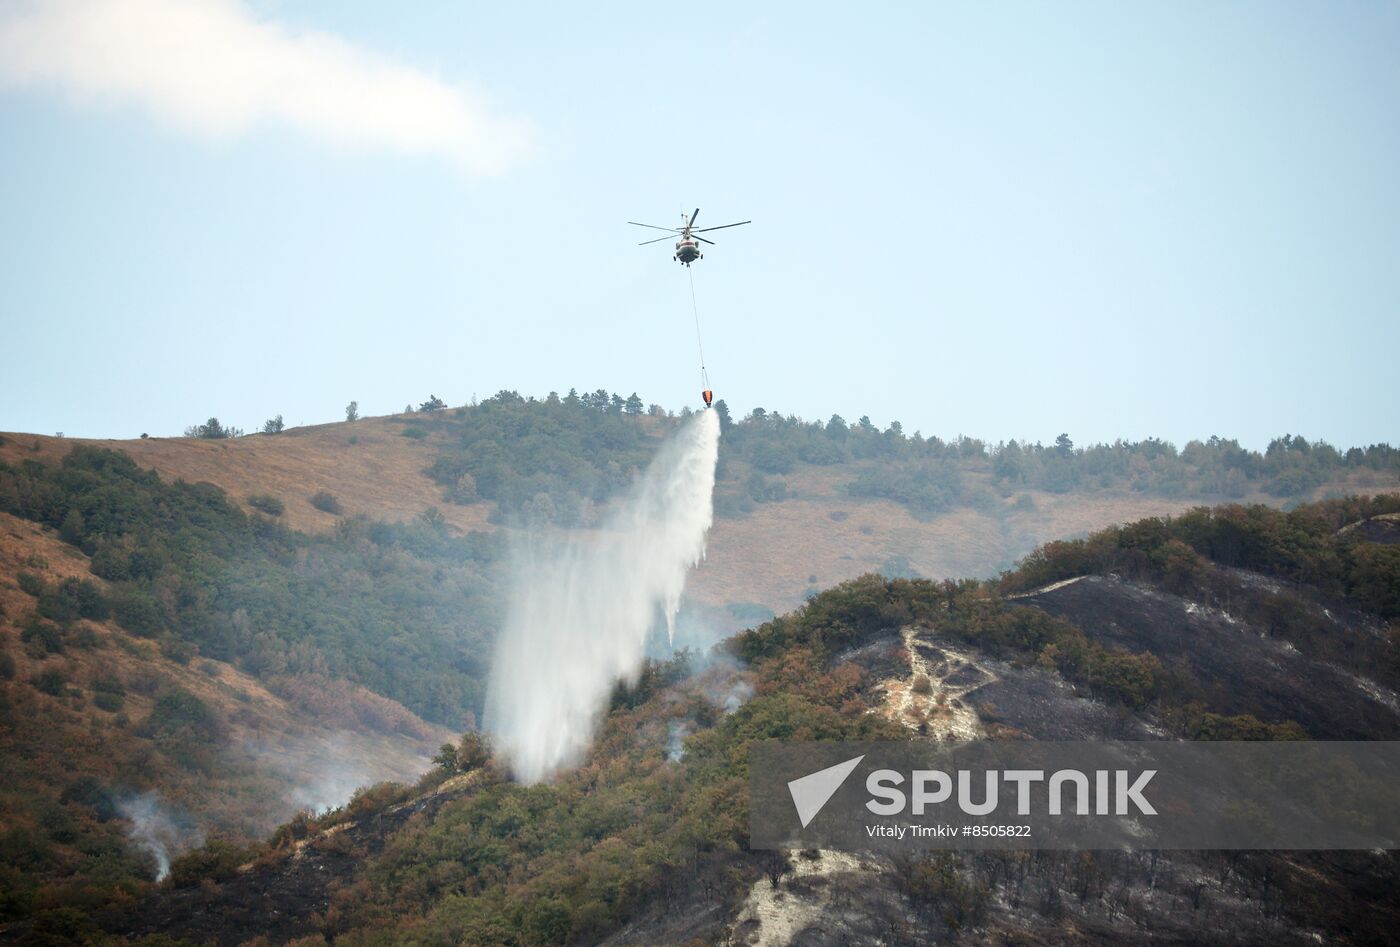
(811, 792)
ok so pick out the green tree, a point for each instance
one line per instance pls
(273, 425)
(212, 430)
(72, 529)
(446, 759)
(725, 423)
(633, 405)
(474, 751)
(352, 411)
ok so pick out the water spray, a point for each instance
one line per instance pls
(581, 609)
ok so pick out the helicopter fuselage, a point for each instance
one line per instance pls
(687, 250)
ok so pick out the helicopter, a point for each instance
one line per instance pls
(688, 247)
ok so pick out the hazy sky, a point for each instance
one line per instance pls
(1006, 220)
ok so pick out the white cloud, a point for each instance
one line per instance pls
(215, 68)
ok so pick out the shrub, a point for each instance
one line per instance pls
(179, 710)
(732, 505)
(822, 453)
(47, 636)
(414, 433)
(774, 458)
(370, 799)
(138, 612)
(31, 584)
(58, 824)
(88, 792)
(91, 602)
(326, 502)
(74, 598)
(112, 703)
(50, 682)
(72, 528)
(216, 860)
(266, 503)
(177, 650)
(763, 489)
(474, 751)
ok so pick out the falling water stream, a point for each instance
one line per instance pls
(581, 610)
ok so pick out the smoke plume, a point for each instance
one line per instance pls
(581, 611)
(158, 830)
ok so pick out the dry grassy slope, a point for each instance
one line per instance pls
(380, 473)
(770, 557)
(822, 536)
(280, 755)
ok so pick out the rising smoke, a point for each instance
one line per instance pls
(581, 611)
(322, 772)
(160, 832)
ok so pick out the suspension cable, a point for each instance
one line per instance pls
(695, 308)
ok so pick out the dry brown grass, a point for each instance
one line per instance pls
(380, 475)
(769, 556)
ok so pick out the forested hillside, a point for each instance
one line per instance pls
(175, 667)
(405, 609)
(553, 460)
(646, 842)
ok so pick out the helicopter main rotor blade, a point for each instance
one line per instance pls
(654, 227)
(657, 240)
(692, 219)
(722, 226)
(703, 240)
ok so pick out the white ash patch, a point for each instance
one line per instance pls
(931, 700)
(1046, 588)
(1381, 695)
(773, 916)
